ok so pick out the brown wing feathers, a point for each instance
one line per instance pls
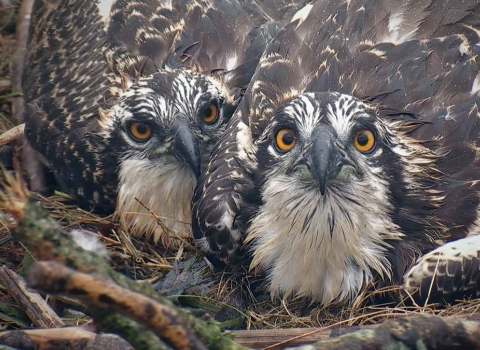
(339, 47)
(208, 36)
(64, 84)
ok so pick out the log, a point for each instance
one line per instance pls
(45, 240)
(272, 338)
(74, 338)
(54, 278)
(37, 309)
(414, 332)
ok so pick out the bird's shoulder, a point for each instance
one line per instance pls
(221, 36)
(64, 82)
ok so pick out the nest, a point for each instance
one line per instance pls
(199, 287)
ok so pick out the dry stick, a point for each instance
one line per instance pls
(34, 305)
(263, 338)
(54, 278)
(30, 160)
(73, 338)
(12, 134)
(5, 86)
(414, 332)
(278, 338)
(46, 240)
(51, 243)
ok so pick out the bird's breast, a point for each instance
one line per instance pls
(317, 246)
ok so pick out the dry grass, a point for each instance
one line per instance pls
(148, 263)
(143, 261)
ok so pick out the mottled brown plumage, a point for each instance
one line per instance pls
(283, 11)
(323, 219)
(92, 81)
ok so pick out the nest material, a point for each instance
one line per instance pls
(181, 272)
(143, 261)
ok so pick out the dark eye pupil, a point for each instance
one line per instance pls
(208, 112)
(287, 139)
(142, 128)
(362, 139)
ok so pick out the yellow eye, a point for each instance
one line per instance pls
(140, 131)
(285, 140)
(210, 114)
(364, 141)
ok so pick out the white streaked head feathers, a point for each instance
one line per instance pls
(328, 247)
(161, 100)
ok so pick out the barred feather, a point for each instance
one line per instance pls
(415, 64)
(93, 67)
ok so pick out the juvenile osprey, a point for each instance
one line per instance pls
(125, 99)
(355, 152)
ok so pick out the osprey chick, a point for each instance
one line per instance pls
(353, 153)
(125, 99)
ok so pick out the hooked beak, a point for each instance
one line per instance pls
(326, 159)
(185, 146)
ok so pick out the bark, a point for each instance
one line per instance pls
(102, 294)
(37, 309)
(414, 332)
(46, 240)
(74, 338)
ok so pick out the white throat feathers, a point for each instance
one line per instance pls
(166, 189)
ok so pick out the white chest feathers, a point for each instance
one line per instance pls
(166, 190)
(323, 248)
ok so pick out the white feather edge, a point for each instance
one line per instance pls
(456, 251)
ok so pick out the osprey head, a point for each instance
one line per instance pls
(332, 174)
(162, 130)
(329, 142)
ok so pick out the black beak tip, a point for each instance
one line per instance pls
(196, 171)
(323, 190)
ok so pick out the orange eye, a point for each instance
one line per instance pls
(364, 141)
(210, 114)
(140, 131)
(285, 140)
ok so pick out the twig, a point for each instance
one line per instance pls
(262, 338)
(277, 338)
(21, 39)
(74, 338)
(414, 332)
(34, 305)
(54, 278)
(12, 134)
(46, 240)
(30, 160)
(51, 243)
